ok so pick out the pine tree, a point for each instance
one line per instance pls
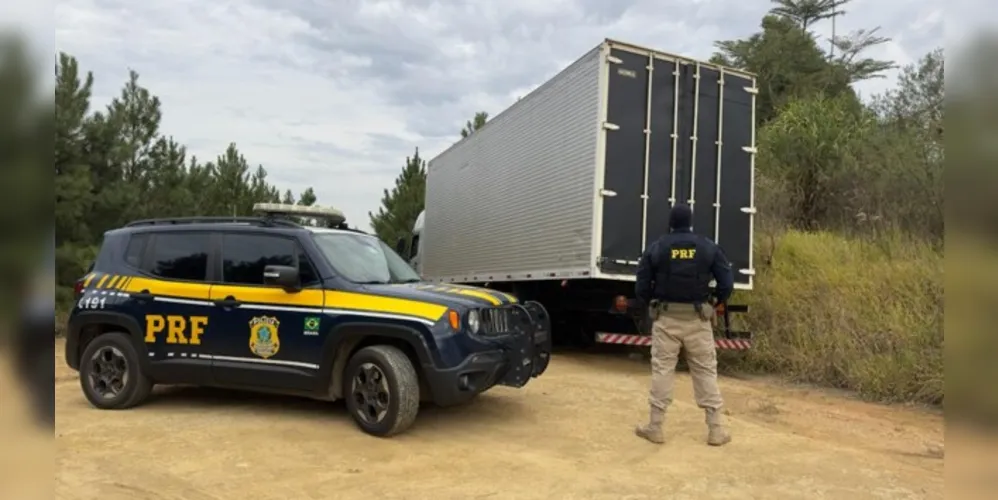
(475, 123)
(807, 12)
(401, 206)
(307, 197)
(114, 165)
(72, 174)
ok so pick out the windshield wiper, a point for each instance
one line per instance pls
(410, 280)
(372, 282)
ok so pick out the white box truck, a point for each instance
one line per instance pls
(556, 198)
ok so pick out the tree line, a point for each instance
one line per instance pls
(114, 165)
(827, 160)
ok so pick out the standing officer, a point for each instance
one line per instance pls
(673, 279)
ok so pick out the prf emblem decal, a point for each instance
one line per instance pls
(264, 341)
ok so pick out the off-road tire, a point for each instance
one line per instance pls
(136, 389)
(403, 389)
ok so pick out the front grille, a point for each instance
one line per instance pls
(497, 319)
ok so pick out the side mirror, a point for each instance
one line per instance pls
(400, 246)
(285, 277)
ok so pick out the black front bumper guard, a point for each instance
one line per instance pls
(529, 350)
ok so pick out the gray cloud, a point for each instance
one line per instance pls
(335, 95)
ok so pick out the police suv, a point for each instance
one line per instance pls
(273, 304)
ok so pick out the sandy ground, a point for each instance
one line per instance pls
(566, 435)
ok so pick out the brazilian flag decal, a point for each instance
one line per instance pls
(312, 325)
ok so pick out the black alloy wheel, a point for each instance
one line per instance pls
(381, 388)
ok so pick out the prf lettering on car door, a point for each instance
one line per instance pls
(178, 329)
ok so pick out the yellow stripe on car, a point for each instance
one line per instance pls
(115, 282)
(376, 303)
(313, 298)
(468, 292)
(197, 291)
(309, 297)
(496, 293)
(480, 294)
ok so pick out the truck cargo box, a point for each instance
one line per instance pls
(577, 177)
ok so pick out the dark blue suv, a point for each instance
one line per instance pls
(269, 304)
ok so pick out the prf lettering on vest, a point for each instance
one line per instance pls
(683, 253)
(179, 329)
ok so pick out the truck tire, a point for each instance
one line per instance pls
(381, 388)
(110, 373)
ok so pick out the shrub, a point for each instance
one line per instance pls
(865, 315)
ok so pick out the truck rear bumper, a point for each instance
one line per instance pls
(728, 344)
(724, 337)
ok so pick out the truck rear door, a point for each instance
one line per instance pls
(675, 131)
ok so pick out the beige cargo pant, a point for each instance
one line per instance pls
(678, 327)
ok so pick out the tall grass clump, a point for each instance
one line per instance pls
(858, 314)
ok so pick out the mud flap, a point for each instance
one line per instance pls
(529, 345)
(731, 339)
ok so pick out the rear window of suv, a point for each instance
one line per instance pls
(175, 256)
(136, 249)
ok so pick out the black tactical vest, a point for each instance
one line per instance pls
(684, 269)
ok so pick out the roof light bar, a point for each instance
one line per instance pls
(334, 216)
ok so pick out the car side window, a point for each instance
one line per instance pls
(180, 256)
(135, 249)
(244, 256)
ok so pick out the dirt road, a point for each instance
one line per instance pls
(566, 435)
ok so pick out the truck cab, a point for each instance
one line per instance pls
(413, 248)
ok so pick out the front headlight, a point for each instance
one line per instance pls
(474, 321)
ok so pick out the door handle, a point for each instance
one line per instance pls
(143, 296)
(228, 302)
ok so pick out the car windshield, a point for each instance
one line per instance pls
(364, 259)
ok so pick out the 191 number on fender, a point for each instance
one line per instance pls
(92, 302)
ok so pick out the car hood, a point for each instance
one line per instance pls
(444, 294)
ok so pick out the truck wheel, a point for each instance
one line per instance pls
(111, 375)
(381, 389)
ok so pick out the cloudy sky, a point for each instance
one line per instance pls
(335, 94)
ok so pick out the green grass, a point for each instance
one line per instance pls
(864, 315)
